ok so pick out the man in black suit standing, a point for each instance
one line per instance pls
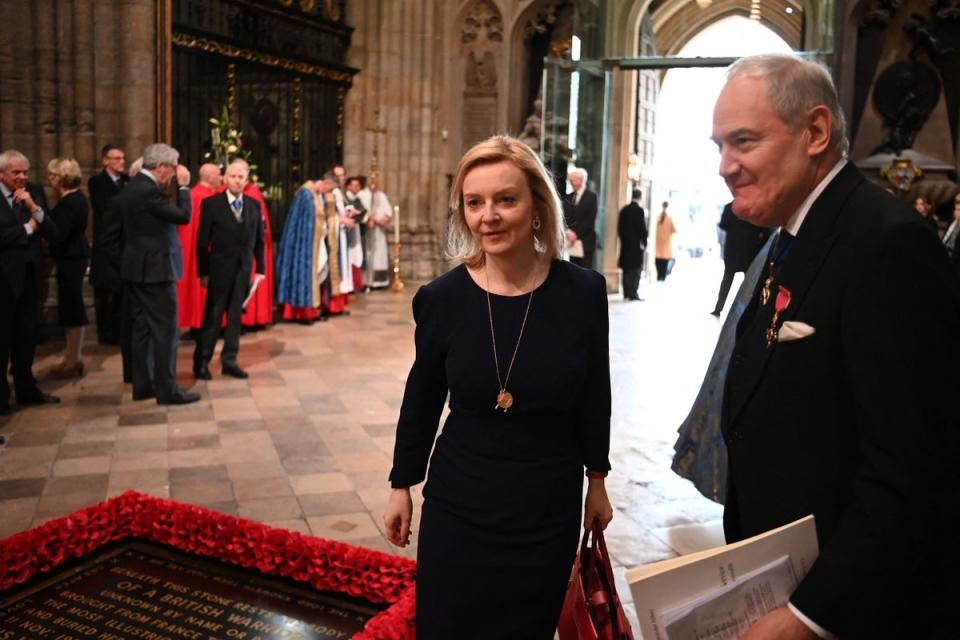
(580, 212)
(229, 238)
(632, 231)
(105, 266)
(835, 395)
(23, 220)
(150, 266)
(743, 241)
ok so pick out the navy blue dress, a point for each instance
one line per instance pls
(501, 518)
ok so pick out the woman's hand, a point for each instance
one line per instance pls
(597, 506)
(397, 515)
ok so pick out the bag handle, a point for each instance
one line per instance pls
(600, 556)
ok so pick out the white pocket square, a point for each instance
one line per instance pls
(793, 330)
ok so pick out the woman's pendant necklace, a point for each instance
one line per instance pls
(504, 397)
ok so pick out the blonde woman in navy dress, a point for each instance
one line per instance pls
(518, 338)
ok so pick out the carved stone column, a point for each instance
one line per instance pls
(396, 44)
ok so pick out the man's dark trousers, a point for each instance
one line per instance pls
(153, 338)
(227, 295)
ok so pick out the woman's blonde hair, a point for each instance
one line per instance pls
(68, 170)
(549, 238)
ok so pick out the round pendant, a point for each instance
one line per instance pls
(504, 400)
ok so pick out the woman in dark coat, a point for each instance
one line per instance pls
(518, 338)
(71, 253)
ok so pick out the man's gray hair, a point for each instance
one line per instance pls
(794, 87)
(330, 176)
(159, 154)
(582, 172)
(11, 154)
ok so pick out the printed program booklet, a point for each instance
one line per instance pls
(718, 593)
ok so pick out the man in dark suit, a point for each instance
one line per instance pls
(632, 231)
(150, 266)
(229, 238)
(743, 241)
(580, 212)
(104, 265)
(834, 400)
(23, 220)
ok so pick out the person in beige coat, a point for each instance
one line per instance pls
(664, 249)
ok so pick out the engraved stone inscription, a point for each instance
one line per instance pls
(146, 592)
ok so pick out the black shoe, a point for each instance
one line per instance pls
(179, 397)
(715, 313)
(305, 321)
(5, 409)
(234, 371)
(144, 395)
(38, 397)
(202, 372)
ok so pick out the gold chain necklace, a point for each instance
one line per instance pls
(504, 397)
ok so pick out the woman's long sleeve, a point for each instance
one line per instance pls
(424, 395)
(594, 423)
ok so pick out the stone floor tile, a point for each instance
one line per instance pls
(198, 474)
(265, 509)
(320, 483)
(379, 430)
(184, 429)
(14, 469)
(134, 479)
(141, 419)
(17, 514)
(230, 426)
(179, 443)
(374, 499)
(140, 445)
(226, 508)
(249, 470)
(202, 492)
(254, 488)
(85, 449)
(21, 488)
(81, 466)
(29, 437)
(37, 453)
(151, 432)
(306, 466)
(345, 527)
(201, 414)
(82, 483)
(196, 457)
(363, 462)
(137, 461)
(352, 446)
(56, 506)
(324, 504)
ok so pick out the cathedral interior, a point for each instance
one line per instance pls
(402, 88)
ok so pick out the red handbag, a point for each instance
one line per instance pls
(591, 608)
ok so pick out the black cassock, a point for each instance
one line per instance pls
(502, 513)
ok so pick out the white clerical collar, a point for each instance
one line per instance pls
(793, 224)
(147, 173)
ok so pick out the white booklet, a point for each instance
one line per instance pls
(718, 593)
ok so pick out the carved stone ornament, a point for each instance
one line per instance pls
(543, 19)
(484, 19)
(881, 13)
(481, 73)
(901, 173)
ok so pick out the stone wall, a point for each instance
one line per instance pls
(75, 75)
